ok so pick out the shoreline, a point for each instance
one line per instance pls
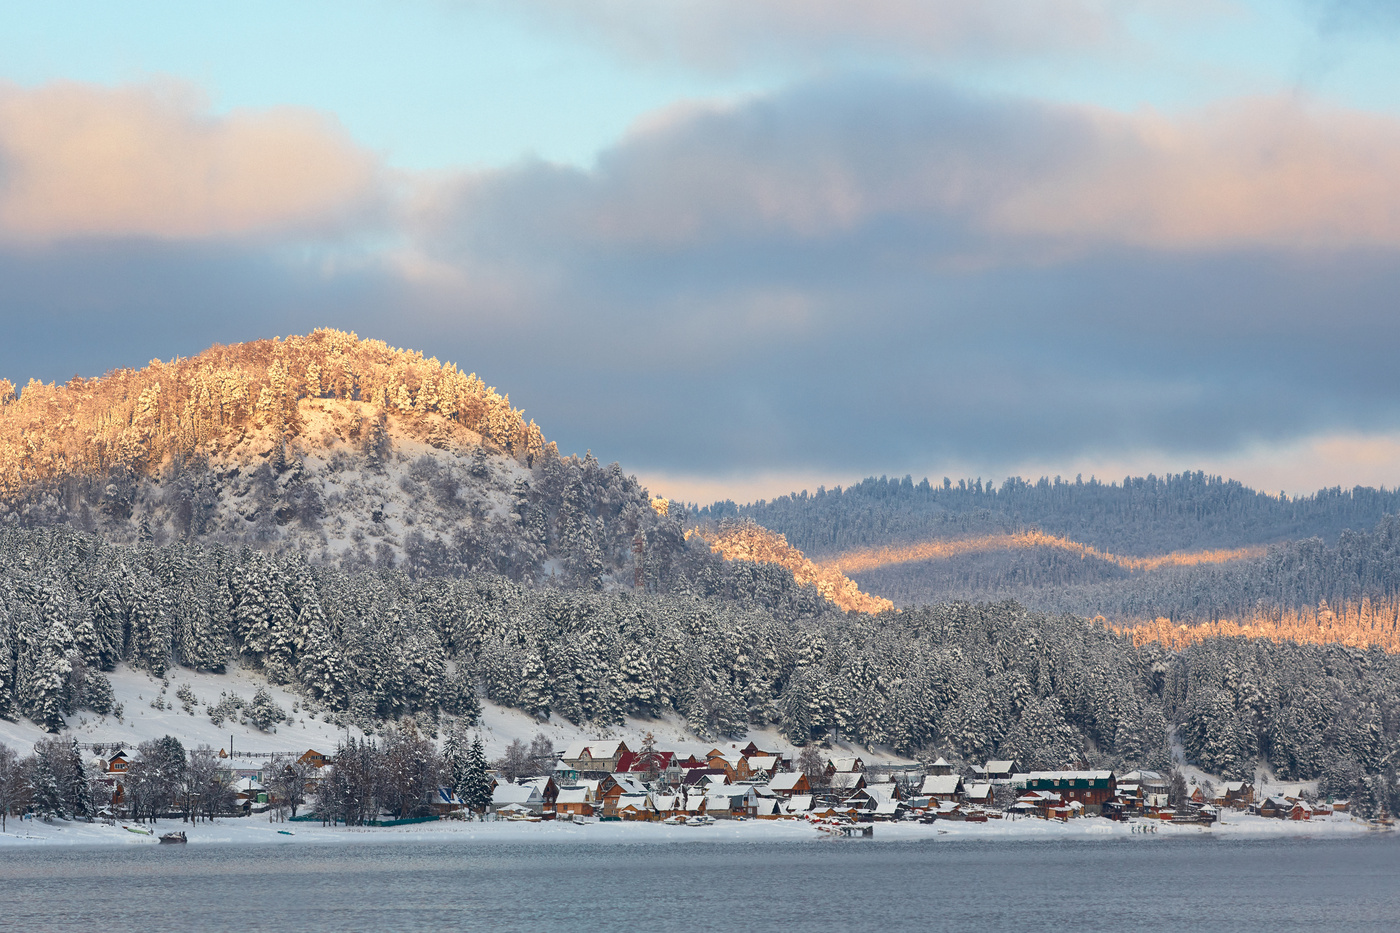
(251, 831)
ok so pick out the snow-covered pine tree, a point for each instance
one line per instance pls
(477, 783)
(320, 669)
(78, 794)
(45, 788)
(534, 693)
(264, 713)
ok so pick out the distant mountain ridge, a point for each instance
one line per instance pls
(1147, 554)
(1141, 516)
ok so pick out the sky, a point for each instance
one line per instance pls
(747, 247)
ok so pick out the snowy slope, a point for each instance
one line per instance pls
(135, 691)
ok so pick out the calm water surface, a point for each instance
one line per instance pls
(1108, 885)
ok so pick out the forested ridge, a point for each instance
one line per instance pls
(972, 681)
(1141, 516)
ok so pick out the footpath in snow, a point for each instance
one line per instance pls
(255, 830)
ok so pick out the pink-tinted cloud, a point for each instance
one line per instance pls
(78, 160)
(998, 177)
(1262, 171)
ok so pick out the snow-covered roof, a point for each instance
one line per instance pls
(594, 748)
(764, 762)
(507, 792)
(941, 762)
(999, 767)
(799, 803)
(785, 781)
(887, 807)
(881, 792)
(845, 764)
(1069, 775)
(979, 791)
(573, 795)
(628, 785)
(940, 784)
(846, 780)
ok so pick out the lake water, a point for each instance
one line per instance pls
(1117, 885)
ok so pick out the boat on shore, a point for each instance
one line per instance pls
(173, 839)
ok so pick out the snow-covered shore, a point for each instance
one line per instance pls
(256, 830)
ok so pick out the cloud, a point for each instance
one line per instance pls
(879, 275)
(79, 160)
(720, 34)
(824, 159)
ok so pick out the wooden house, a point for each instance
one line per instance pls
(666, 806)
(845, 783)
(1238, 794)
(573, 801)
(1150, 789)
(940, 768)
(613, 788)
(1091, 788)
(1300, 810)
(998, 772)
(634, 763)
(789, 783)
(633, 808)
(845, 765)
(701, 776)
(982, 794)
(769, 808)
(595, 755)
(549, 790)
(735, 767)
(942, 787)
(314, 758)
(117, 762)
(798, 804)
(445, 801)
(524, 796)
(763, 767)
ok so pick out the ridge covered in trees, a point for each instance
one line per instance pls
(751, 542)
(1141, 516)
(964, 680)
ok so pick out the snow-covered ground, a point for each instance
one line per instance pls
(257, 830)
(135, 690)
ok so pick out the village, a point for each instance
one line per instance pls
(604, 780)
